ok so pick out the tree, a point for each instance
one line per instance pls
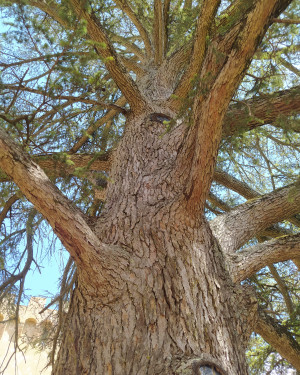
(169, 96)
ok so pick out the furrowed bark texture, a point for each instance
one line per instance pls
(178, 302)
(169, 310)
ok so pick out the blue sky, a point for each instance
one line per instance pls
(41, 284)
(44, 282)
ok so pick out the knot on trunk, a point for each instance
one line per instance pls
(160, 117)
(205, 364)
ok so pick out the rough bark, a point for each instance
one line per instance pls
(267, 109)
(259, 111)
(177, 306)
(204, 22)
(67, 221)
(159, 321)
(167, 301)
(279, 337)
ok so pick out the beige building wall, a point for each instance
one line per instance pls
(33, 327)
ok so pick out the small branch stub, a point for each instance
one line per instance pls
(203, 365)
(207, 369)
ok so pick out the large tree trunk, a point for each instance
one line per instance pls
(176, 308)
(176, 304)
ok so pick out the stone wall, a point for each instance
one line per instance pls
(34, 329)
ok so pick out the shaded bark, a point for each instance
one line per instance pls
(67, 221)
(153, 293)
(279, 337)
(199, 46)
(255, 112)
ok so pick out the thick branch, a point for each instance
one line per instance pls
(234, 184)
(282, 286)
(55, 165)
(133, 65)
(111, 60)
(158, 30)
(280, 338)
(49, 7)
(180, 58)
(250, 260)
(130, 47)
(265, 109)
(247, 192)
(67, 221)
(204, 22)
(258, 20)
(289, 66)
(243, 189)
(235, 228)
(209, 109)
(286, 21)
(218, 202)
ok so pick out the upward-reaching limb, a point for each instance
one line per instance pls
(124, 5)
(111, 59)
(210, 107)
(250, 260)
(166, 17)
(158, 30)
(205, 19)
(279, 337)
(251, 113)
